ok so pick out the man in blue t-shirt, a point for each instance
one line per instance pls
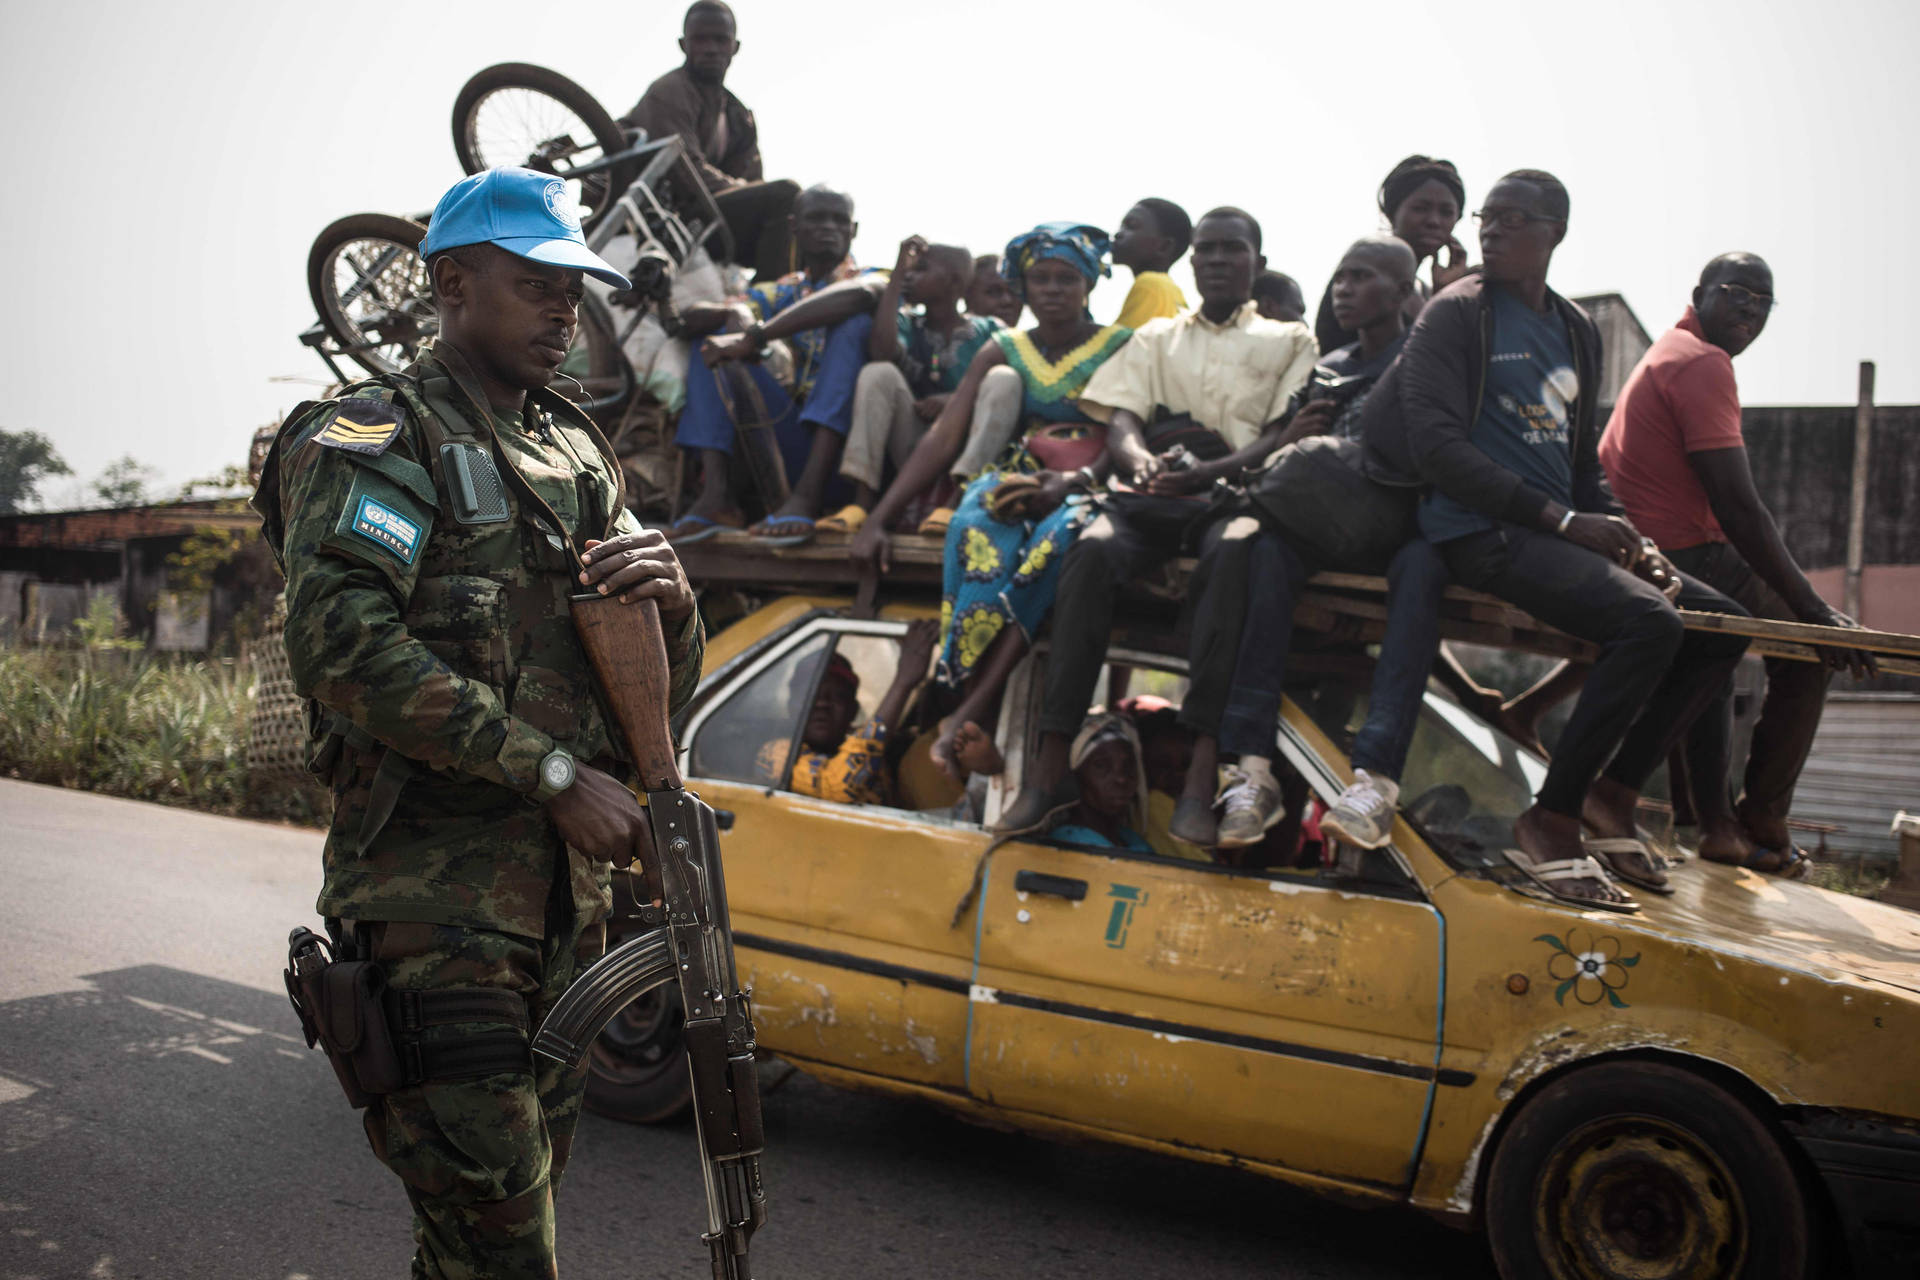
(1495, 413)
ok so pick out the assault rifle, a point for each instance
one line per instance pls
(688, 935)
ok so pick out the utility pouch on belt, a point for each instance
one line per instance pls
(371, 1033)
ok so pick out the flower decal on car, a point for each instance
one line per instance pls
(1591, 967)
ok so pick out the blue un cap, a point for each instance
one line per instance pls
(525, 212)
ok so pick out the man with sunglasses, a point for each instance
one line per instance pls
(1492, 409)
(1675, 454)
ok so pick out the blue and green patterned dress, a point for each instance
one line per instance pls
(998, 573)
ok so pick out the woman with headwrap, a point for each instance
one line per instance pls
(1422, 200)
(1106, 763)
(1014, 434)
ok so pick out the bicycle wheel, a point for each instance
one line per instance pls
(370, 289)
(517, 113)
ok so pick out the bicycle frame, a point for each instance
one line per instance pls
(652, 221)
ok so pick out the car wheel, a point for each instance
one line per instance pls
(1643, 1170)
(637, 1068)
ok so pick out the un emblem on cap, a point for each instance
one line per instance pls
(561, 205)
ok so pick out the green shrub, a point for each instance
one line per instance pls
(146, 726)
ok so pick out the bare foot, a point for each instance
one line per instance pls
(1726, 841)
(714, 508)
(789, 513)
(1767, 834)
(1544, 836)
(964, 748)
(1609, 809)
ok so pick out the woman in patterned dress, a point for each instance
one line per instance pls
(1012, 528)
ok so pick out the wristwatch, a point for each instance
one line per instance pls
(557, 772)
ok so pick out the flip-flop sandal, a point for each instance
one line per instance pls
(1610, 849)
(768, 538)
(935, 525)
(1548, 876)
(1793, 865)
(1794, 862)
(847, 519)
(690, 529)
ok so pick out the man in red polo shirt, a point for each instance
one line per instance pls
(1677, 461)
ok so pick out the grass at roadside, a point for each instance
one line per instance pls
(1861, 878)
(146, 726)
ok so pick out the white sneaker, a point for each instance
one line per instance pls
(1363, 815)
(1250, 804)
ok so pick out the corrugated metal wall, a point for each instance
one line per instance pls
(1865, 766)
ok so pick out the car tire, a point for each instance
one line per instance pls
(637, 1068)
(1645, 1170)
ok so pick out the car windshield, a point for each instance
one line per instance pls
(1464, 783)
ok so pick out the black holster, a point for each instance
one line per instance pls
(372, 1034)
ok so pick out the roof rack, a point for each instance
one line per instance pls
(1348, 605)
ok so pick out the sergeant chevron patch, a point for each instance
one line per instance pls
(363, 425)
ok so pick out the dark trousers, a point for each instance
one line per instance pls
(1277, 573)
(1133, 535)
(1789, 716)
(756, 214)
(1653, 677)
(1416, 582)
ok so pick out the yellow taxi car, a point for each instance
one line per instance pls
(1726, 1084)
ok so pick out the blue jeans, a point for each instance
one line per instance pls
(704, 423)
(1416, 580)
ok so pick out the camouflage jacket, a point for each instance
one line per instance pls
(430, 548)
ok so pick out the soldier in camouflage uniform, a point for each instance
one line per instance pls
(432, 526)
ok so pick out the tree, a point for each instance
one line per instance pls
(26, 458)
(124, 482)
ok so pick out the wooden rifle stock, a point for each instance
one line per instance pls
(628, 651)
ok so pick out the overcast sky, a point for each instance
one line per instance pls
(169, 164)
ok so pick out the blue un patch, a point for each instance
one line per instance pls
(381, 524)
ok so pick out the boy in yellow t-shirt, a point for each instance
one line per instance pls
(1152, 237)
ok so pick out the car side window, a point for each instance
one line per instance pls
(1293, 847)
(746, 738)
(1464, 782)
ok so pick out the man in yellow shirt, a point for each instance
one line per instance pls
(1152, 237)
(1188, 401)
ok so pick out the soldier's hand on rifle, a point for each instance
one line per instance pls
(639, 566)
(600, 817)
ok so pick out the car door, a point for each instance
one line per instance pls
(1275, 1016)
(842, 914)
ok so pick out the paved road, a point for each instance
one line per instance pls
(159, 1120)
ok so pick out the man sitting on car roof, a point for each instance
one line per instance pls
(1189, 400)
(721, 138)
(824, 314)
(1495, 410)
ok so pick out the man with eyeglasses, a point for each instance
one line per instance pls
(1675, 454)
(1493, 411)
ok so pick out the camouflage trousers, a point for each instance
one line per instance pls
(482, 1156)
